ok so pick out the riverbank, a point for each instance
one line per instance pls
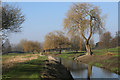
(55, 70)
(108, 62)
(32, 66)
(100, 58)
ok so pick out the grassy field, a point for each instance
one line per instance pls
(71, 55)
(27, 66)
(103, 51)
(32, 65)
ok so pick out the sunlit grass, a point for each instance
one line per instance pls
(27, 69)
(70, 55)
(103, 51)
(98, 65)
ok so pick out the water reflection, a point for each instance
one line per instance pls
(80, 70)
(89, 72)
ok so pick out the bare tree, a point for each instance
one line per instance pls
(76, 42)
(106, 39)
(6, 47)
(17, 47)
(115, 41)
(84, 18)
(92, 44)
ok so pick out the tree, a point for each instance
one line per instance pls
(106, 39)
(6, 47)
(84, 18)
(118, 38)
(17, 47)
(77, 43)
(31, 46)
(92, 43)
(12, 18)
(0, 44)
(115, 41)
(56, 40)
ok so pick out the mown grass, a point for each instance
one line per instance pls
(70, 55)
(28, 69)
(103, 51)
(95, 52)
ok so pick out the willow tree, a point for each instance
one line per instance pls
(56, 40)
(86, 19)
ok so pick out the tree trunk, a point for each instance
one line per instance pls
(60, 51)
(88, 48)
(76, 51)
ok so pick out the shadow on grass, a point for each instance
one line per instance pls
(75, 52)
(29, 69)
(58, 71)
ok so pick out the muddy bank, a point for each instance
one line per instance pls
(53, 70)
(108, 62)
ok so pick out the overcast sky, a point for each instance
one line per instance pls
(44, 17)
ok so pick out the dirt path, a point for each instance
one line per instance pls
(18, 59)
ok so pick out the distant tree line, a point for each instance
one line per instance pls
(107, 41)
(25, 46)
(58, 40)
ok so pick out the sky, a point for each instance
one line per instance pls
(44, 17)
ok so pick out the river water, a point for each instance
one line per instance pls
(80, 70)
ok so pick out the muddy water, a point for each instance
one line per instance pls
(80, 70)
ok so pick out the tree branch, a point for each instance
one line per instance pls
(83, 36)
(90, 28)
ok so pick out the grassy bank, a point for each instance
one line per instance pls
(26, 66)
(100, 58)
(69, 55)
(104, 51)
(32, 66)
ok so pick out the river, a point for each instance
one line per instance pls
(80, 70)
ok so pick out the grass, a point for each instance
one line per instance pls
(29, 69)
(103, 51)
(96, 52)
(70, 55)
(33, 68)
(108, 61)
(116, 55)
(102, 63)
(115, 69)
(98, 65)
